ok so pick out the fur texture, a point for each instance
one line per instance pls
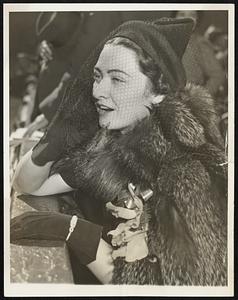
(178, 153)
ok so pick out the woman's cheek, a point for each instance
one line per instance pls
(119, 97)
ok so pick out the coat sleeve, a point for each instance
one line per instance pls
(191, 231)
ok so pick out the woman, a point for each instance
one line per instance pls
(143, 151)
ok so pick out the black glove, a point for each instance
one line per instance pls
(31, 228)
(49, 105)
(58, 138)
(51, 145)
(59, 135)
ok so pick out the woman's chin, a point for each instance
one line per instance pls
(104, 123)
(110, 124)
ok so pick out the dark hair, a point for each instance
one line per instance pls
(146, 63)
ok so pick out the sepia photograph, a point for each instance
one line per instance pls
(118, 149)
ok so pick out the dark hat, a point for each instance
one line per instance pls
(165, 41)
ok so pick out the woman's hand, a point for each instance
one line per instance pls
(51, 146)
(46, 228)
(60, 135)
(103, 266)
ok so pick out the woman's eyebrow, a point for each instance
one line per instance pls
(97, 69)
(117, 70)
(111, 70)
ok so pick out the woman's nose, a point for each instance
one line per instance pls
(101, 89)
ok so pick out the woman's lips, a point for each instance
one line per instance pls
(103, 107)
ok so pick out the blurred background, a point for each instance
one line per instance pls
(47, 48)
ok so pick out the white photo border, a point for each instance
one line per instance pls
(28, 289)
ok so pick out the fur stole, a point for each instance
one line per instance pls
(177, 152)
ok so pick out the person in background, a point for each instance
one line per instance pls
(200, 62)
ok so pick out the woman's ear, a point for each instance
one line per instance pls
(157, 99)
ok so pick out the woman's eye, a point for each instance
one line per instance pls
(117, 79)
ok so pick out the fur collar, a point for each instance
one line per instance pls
(184, 124)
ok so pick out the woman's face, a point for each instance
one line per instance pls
(121, 90)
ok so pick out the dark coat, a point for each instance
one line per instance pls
(176, 152)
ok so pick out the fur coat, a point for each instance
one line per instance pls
(177, 152)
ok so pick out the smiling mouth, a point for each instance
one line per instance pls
(104, 107)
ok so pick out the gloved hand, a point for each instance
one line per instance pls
(51, 103)
(61, 134)
(51, 145)
(31, 228)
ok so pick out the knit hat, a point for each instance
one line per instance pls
(165, 41)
